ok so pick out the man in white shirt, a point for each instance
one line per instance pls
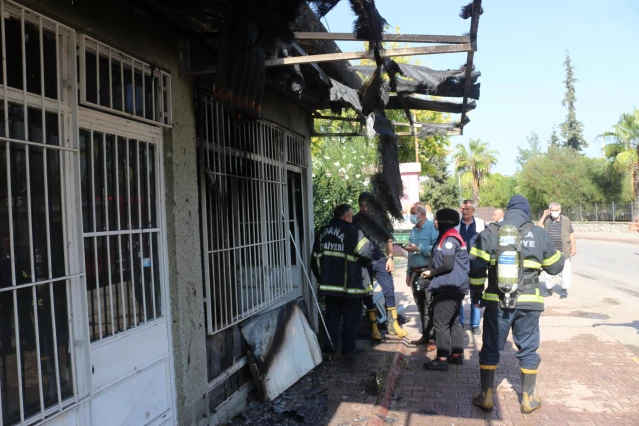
(469, 228)
(498, 215)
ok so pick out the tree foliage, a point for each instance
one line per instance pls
(571, 129)
(497, 190)
(622, 148)
(439, 190)
(341, 171)
(553, 140)
(475, 162)
(534, 150)
(562, 175)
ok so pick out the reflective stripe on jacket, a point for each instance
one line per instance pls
(340, 254)
(538, 253)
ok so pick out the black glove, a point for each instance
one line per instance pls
(475, 298)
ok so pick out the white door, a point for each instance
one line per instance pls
(121, 189)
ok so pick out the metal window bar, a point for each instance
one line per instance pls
(245, 268)
(137, 164)
(36, 283)
(162, 110)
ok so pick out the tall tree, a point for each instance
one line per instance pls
(561, 175)
(475, 162)
(571, 129)
(524, 155)
(554, 138)
(623, 148)
(438, 190)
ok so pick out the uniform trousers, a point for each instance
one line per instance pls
(385, 281)
(449, 334)
(349, 309)
(525, 326)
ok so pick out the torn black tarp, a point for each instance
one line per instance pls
(345, 96)
(374, 92)
(419, 103)
(427, 81)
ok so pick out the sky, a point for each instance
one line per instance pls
(521, 47)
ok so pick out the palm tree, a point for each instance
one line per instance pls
(475, 162)
(622, 147)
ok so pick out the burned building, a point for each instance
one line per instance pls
(156, 192)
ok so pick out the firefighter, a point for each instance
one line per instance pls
(518, 310)
(340, 254)
(381, 268)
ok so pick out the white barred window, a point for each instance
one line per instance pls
(115, 82)
(245, 213)
(36, 358)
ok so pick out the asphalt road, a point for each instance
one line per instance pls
(605, 292)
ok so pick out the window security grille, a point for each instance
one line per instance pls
(36, 353)
(296, 150)
(243, 172)
(115, 82)
(121, 231)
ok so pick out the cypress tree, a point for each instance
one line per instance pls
(554, 139)
(571, 129)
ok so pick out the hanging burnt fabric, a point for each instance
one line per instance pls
(420, 103)
(424, 80)
(341, 95)
(387, 182)
(240, 75)
(374, 92)
(322, 7)
(369, 24)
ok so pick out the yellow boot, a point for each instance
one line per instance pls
(372, 317)
(529, 401)
(484, 398)
(393, 325)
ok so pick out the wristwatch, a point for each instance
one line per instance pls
(390, 257)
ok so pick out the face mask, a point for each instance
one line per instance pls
(554, 215)
(413, 219)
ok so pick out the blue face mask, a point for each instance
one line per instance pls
(413, 219)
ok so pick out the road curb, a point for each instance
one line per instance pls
(382, 405)
(610, 239)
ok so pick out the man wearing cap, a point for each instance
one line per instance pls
(536, 252)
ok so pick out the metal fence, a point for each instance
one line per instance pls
(600, 212)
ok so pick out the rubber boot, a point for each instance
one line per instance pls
(393, 325)
(372, 317)
(484, 398)
(529, 401)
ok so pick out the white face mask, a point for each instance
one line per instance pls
(413, 219)
(554, 215)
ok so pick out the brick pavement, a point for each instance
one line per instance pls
(586, 377)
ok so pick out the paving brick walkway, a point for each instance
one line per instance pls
(586, 376)
(586, 379)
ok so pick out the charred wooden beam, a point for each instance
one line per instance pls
(330, 57)
(326, 79)
(474, 26)
(410, 38)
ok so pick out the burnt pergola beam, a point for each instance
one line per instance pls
(387, 53)
(474, 25)
(410, 38)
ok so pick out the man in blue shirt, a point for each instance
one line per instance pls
(469, 228)
(422, 237)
